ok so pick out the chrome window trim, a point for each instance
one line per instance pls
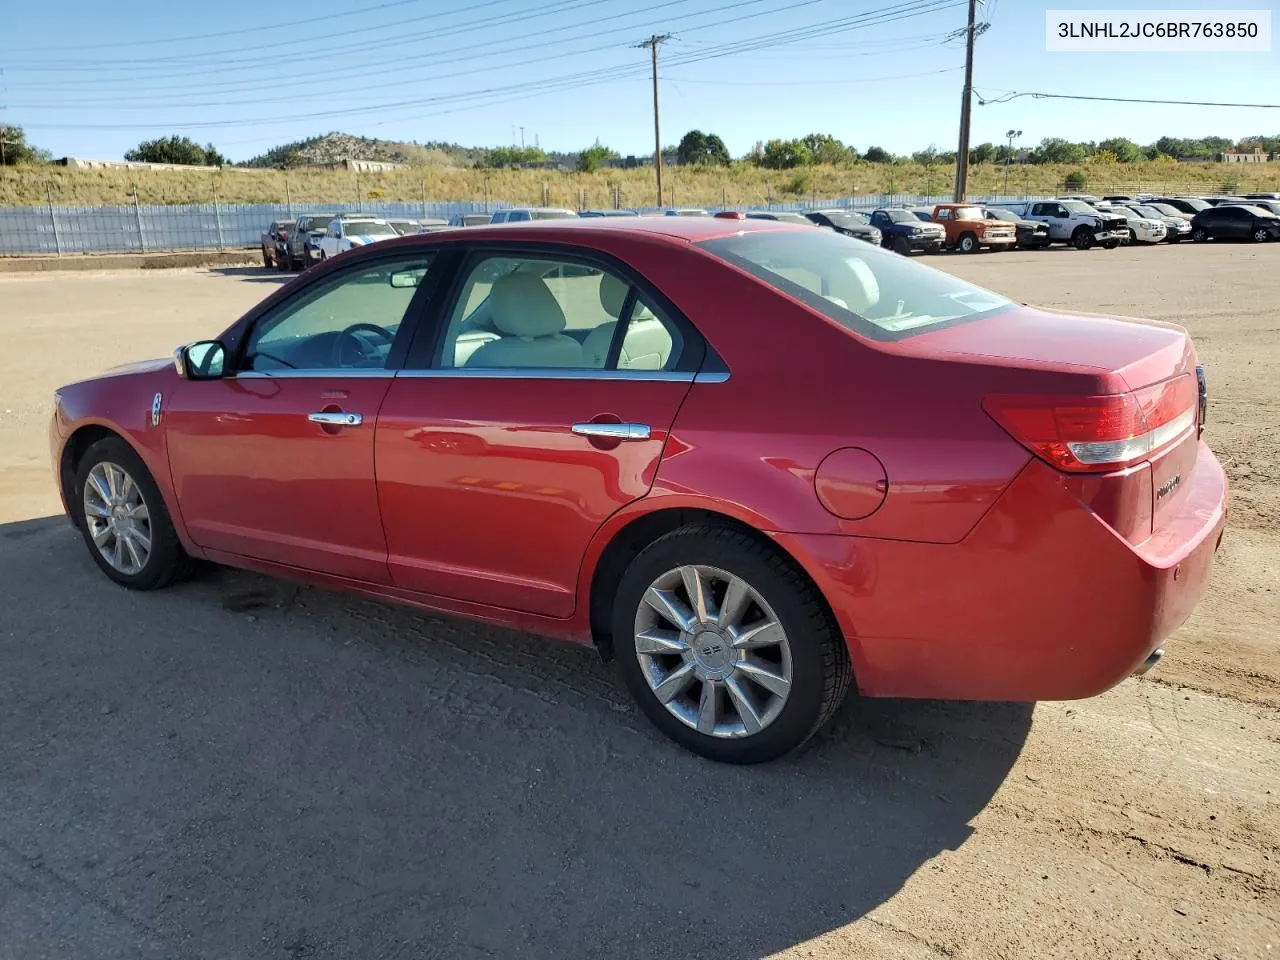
(325, 374)
(546, 373)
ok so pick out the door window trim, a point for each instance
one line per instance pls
(428, 335)
(236, 337)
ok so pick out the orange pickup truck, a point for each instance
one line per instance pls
(969, 231)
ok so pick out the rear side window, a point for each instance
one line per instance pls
(533, 313)
(871, 291)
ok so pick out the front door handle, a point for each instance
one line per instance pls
(336, 418)
(613, 431)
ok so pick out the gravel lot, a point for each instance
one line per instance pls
(243, 767)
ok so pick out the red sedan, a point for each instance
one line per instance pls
(752, 462)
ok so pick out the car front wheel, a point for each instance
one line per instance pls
(726, 646)
(124, 521)
(1199, 234)
(968, 243)
(1082, 239)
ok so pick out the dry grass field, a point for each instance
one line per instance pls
(737, 185)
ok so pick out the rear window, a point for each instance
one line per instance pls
(551, 215)
(871, 291)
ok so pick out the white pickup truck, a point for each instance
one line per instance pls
(347, 233)
(1073, 221)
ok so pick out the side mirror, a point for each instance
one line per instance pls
(202, 360)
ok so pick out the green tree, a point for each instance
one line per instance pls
(877, 155)
(175, 149)
(1058, 150)
(595, 157)
(982, 153)
(1104, 156)
(511, 157)
(785, 154)
(702, 149)
(1076, 180)
(824, 148)
(213, 158)
(1125, 150)
(926, 157)
(17, 150)
(1171, 147)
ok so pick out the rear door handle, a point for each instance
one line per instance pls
(339, 418)
(613, 431)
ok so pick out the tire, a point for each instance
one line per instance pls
(1261, 235)
(1110, 245)
(1199, 234)
(1082, 239)
(165, 561)
(282, 263)
(811, 649)
(901, 246)
(1133, 236)
(266, 258)
(934, 248)
(968, 243)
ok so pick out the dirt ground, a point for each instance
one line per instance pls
(242, 767)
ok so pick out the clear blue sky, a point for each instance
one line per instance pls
(91, 79)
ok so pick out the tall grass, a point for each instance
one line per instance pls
(738, 185)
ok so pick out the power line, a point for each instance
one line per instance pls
(1013, 95)
(806, 83)
(257, 28)
(554, 84)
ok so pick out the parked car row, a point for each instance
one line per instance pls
(1081, 221)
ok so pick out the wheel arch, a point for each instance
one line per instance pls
(73, 451)
(618, 547)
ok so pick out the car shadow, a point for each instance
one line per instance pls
(255, 274)
(269, 769)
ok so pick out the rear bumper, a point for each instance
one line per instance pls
(1042, 601)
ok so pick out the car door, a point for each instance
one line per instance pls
(539, 406)
(274, 460)
(1237, 223)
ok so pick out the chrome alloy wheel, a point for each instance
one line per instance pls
(713, 652)
(117, 517)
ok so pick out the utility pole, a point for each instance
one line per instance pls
(962, 155)
(652, 43)
(522, 138)
(1008, 157)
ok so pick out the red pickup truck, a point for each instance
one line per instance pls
(968, 230)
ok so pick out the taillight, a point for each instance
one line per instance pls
(1092, 434)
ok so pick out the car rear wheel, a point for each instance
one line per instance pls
(124, 521)
(968, 243)
(726, 646)
(1199, 234)
(1082, 239)
(1261, 235)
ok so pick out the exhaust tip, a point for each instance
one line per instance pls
(1154, 657)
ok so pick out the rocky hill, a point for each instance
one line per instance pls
(334, 147)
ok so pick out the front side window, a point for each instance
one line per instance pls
(348, 322)
(536, 313)
(868, 290)
(944, 213)
(517, 215)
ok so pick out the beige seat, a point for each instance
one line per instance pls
(647, 343)
(532, 324)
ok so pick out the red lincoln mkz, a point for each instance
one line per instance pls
(751, 461)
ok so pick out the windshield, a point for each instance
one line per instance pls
(1002, 215)
(1078, 206)
(551, 214)
(1256, 211)
(367, 228)
(900, 216)
(871, 291)
(315, 223)
(1165, 210)
(846, 220)
(968, 213)
(783, 217)
(1143, 210)
(1195, 203)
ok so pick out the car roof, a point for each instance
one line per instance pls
(579, 229)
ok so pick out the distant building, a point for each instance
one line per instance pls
(80, 163)
(1257, 156)
(628, 162)
(358, 166)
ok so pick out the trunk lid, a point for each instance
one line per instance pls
(1152, 363)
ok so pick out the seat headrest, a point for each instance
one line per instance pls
(523, 306)
(613, 294)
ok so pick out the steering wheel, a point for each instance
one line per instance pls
(364, 354)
